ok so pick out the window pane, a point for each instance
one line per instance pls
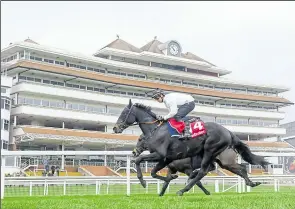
(45, 103)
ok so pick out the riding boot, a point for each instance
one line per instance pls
(187, 133)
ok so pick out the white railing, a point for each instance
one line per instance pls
(128, 183)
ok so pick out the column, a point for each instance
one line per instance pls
(14, 120)
(239, 178)
(63, 157)
(128, 175)
(63, 124)
(105, 157)
(248, 137)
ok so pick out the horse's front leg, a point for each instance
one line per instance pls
(160, 165)
(150, 157)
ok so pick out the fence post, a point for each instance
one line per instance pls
(128, 175)
(216, 186)
(65, 187)
(243, 185)
(239, 186)
(158, 186)
(275, 185)
(2, 175)
(31, 188)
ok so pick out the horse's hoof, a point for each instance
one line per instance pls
(174, 176)
(179, 193)
(207, 193)
(160, 195)
(143, 183)
(257, 184)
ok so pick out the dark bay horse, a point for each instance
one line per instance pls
(226, 160)
(164, 149)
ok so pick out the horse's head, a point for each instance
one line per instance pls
(126, 118)
(141, 146)
(134, 113)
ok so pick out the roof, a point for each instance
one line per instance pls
(30, 41)
(144, 83)
(123, 45)
(152, 46)
(192, 56)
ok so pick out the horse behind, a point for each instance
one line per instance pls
(226, 160)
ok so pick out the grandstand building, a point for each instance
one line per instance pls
(6, 83)
(63, 100)
(290, 133)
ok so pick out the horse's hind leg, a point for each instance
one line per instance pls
(170, 176)
(193, 174)
(239, 170)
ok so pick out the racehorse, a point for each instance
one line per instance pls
(226, 160)
(164, 149)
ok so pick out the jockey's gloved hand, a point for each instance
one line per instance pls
(160, 117)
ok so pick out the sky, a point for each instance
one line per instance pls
(255, 40)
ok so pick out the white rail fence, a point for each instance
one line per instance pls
(95, 185)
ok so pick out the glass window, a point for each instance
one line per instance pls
(45, 103)
(21, 100)
(89, 109)
(29, 101)
(82, 107)
(60, 84)
(2, 103)
(53, 104)
(3, 90)
(38, 80)
(6, 125)
(30, 79)
(46, 81)
(37, 101)
(22, 77)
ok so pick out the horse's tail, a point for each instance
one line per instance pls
(246, 153)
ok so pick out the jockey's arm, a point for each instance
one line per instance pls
(172, 105)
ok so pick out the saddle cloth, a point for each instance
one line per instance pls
(176, 128)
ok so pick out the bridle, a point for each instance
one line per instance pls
(123, 125)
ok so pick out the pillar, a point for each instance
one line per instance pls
(105, 157)
(63, 124)
(239, 178)
(63, 157)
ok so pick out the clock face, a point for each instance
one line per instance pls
(173, 49)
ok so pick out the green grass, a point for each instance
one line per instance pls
(253, 200)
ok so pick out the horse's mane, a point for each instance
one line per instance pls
(148, 109)
(142, 106)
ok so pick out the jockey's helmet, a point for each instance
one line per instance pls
(157, 93)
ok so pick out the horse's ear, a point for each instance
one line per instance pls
(130, 103)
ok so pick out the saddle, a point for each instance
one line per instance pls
(197, 127)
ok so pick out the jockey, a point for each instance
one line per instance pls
(179, 106)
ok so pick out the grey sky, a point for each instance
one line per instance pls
(255, 40)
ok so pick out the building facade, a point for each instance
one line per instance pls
(6, 84)
(290, 133)
(69, 101)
